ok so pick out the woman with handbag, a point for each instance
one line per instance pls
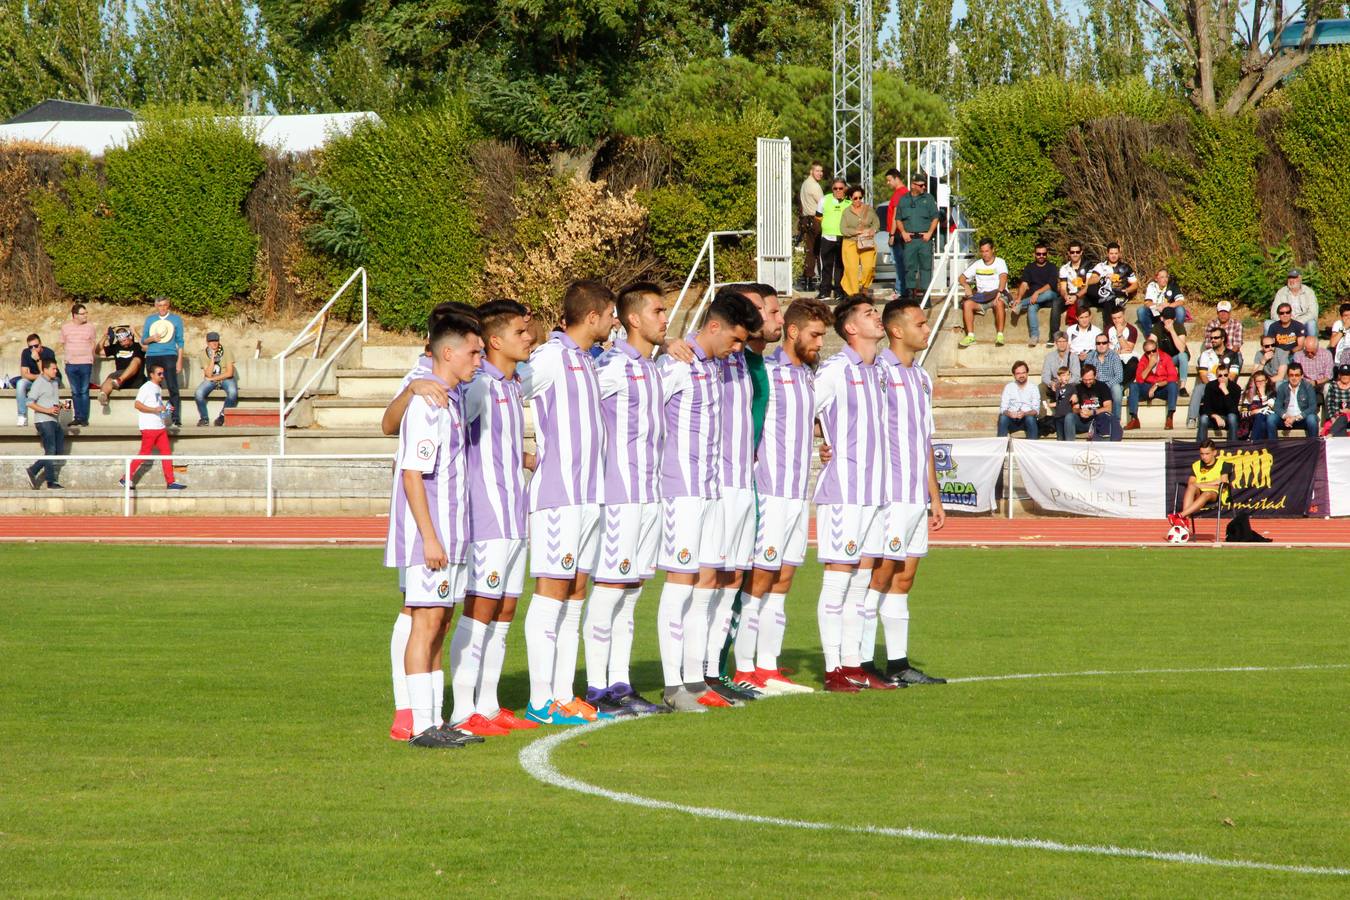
(1257, 400)
(859, 225)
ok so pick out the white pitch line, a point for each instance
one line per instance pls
(536, 760)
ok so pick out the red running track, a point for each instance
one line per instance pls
(370, 531)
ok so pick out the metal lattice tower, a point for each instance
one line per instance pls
(852, 82)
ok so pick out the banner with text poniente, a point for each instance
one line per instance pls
(968, 471)
(1096, 478)
(1270, 478)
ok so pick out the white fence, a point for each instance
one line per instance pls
(774, 219)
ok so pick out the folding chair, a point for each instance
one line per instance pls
(1217, 504)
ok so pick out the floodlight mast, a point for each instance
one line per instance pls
(853, 39)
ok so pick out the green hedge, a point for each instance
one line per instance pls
(409, 181)
(166, 219)
(1315, 137)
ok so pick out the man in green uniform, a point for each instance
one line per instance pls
(918, 226)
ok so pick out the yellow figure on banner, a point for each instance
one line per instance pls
(1251, 468)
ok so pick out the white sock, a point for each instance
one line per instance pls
(851, 641)
(438, 696)
(621, 643)
(719, 626)
(398, 646)
(830, 616)
(466, 661)
(894, 613)
(867, 650)
(494, 657)
(420, 698)
(696, 633)
(569, 642)
(772, 625)
(670, 630)
(747, 633)
(541, 647)
(597, 632)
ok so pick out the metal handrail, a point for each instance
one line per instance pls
(710, 251)
(948, 259)
(269, 458)
(284, 408)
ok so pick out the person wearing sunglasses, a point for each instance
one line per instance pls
(1215, 354)
(30, 369)
(1073, 277)
(1110, 368)
(1039, 286)
(1220, 407)
(1271, 360)
(831, 248)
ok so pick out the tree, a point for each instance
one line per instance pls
(1004, 41)
(1210, 33)
(1111, 45)
(919, 47)
(67, 49)
(199, 51)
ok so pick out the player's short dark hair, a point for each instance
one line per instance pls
(455, 325)
(44, 363)
(896, 308)
(1294, 367)
(893, 173)
(1040, 245)
(845, 311)
(77, 307)
(1113, 246)
(986, 242)
(440, 310)
(1084, 310)
(1020, 364)
(1075, 243)
(731, 307)
(764, 290)
(1208, 444)
(32, 337)
(150, 369)
(583, 298)
(801, 312)
(494, 315)
(1085, 368)
(633, 296)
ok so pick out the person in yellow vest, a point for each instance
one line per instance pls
(831, 238)
(858, 225)
(1209, 479)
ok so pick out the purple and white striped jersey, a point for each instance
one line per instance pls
(783, 468)
(420, 369)
(909, 427)
(430, 441)
(851, 406)
(633, 407)
(738, 423)
(496, 455)
(691, 463)
(569, 434)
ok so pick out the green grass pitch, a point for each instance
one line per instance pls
(213, 722)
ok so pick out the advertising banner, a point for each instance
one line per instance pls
(1097, 478)
(1338, 476)
(1270, 478)
(968, 471)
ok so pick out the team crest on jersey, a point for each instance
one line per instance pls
(895, 544)
(770, 553)
(568, 561)
(851, 548)
(684, 556)
(426, 449)
(444, 590)
(624, 567)
(493, 580)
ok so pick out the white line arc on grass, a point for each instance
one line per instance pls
(536, 760)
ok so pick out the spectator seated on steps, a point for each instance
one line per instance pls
(1019, 405)
(1295, 404)
(1083, 334)
(1301, 299)
(120, 345)
(1220, 405)
(1155, 376)
(1060, 403)
(1271, 360)
(1039, 287)
(984, 282)
(1286, 330)
(1316, 362)
(1256, 408)
(1231, 326)
(1336, 422)
(1215, 354)
(1058, 358)
(30, 370)
(218, 372)
(1110, 369)
(1340, 347)
(1162, 299)
(1092, 409)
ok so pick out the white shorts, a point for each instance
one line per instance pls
(846, 532)
(738, 534)
(497, 568)
(691, 535)
(630, 534)
(780, 539)
(906, 530)
(435, 587)
(564, 540)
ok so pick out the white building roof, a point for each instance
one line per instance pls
(286, 134)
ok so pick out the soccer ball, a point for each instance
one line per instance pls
(1178, 534)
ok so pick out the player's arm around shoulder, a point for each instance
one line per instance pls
(540, 371)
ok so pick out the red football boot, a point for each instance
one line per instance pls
(837, 682)
(476, 724)
(401, 730)
(507, 719)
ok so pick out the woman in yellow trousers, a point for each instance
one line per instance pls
(859, 226)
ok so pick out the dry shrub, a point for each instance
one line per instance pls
(26, 274)
(498, 167)
(1117, 190)
(1277, 187)
(574, 229)
(626, 163)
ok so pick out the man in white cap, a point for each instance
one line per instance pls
(1301, 299)
(1231, 326)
